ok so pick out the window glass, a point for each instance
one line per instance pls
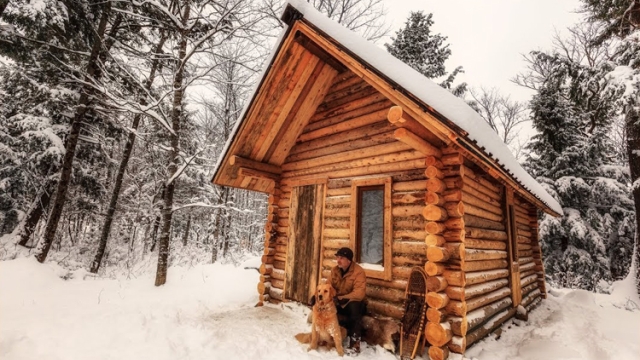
(372, 225)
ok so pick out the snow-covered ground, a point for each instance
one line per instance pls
(207, 312)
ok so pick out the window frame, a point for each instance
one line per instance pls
(356, 186)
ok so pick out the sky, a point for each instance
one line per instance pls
(489, 37)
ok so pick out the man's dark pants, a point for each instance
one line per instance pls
(351, 318)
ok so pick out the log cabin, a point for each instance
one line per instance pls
(355, 148)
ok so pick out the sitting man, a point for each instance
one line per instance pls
(349, 280)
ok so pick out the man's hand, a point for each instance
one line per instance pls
(340, 302)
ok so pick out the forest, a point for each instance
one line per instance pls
(113, 115)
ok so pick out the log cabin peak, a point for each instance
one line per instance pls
(322, 85)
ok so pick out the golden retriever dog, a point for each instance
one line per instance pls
(325, 329)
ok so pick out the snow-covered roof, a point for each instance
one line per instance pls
(441, 100)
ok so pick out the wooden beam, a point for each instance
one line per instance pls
(416, 142)
(254, 165)
(258, 174)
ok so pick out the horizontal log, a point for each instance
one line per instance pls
(471, 266)
(409, 235)
(265, 269)
(471, 243)
(452, 159)
(335, 243)
(470, 183)
(455, 223)
(481, 254)
(334, 211)
(476, 211)
(475, 201)
(436, 283)
(350, 167)
(436, 185)
(408, 198)
(336, 233)
(393, 284)
(481, 223)
(458, 344)
(263, 288)
(343, 200)
(434, 227)
(434, 213)
(433, 269)
(254, 165)
(434, 198)
(407, 210)
(350, 122)
(408, 247)
(480, 233)
(493, 323)
(402, 120)
(455, 209)
(335, 222)
(401, 272)
(278, 274)
(408, 259)
(485, 299)
(408, 223)
(433, 161)
(454, 235)
(469, 292)
(416, 185)
(406, 136)
(257, 174)
(461, 325)
(385, 293)
(437, 300)
(438, 334)
(433, 172)
(438, 353)
(437, 254)
(489, 184)
(384, 308)
(275, 293)
(434, 240)
(435, 315)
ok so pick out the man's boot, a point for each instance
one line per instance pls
(354, 345)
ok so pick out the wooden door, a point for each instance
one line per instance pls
(303, 248)
(512, 237)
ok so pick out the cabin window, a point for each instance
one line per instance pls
(371, 225)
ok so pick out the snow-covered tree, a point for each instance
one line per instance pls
(417, 46)
(621, 22)
(572, 156)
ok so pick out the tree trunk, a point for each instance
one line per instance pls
(633, 146)
(154, 234)
(126, 155)
(3, 5)
(35, 213)
(72, 139)
(185, 237)
(176, 113)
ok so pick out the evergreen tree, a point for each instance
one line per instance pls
(621, 19)
(572, 156)
(426, 52)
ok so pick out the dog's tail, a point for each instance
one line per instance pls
(304, 338)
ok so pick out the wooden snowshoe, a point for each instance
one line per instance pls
(413, 321)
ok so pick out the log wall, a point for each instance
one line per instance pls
(349, 137)
(531, 268)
